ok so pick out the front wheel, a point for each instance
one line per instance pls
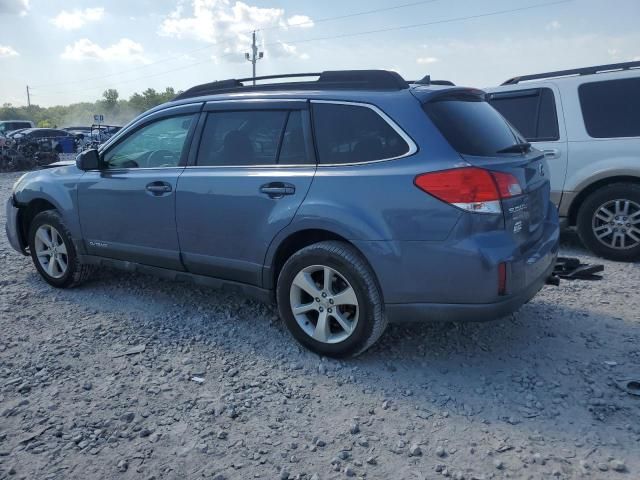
(609, 222)
(53, 252)
(330, 301)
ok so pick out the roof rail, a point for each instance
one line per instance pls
(576, 71)
(335, 80)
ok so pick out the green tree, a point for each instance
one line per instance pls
(117, 111)
(110, 97)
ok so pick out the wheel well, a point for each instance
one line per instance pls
(297, 241)
(27, 214)
(575, 205)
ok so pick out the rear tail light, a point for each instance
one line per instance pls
(470, 188)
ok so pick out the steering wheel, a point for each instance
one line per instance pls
(161, 158)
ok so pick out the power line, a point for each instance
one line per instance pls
(274, 26)
(350, 15)
(367, 32)
(425, 24)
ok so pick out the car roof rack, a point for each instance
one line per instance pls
(333, 80)
(426, 80)
(576, 71)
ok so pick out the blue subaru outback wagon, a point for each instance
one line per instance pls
(353, 200)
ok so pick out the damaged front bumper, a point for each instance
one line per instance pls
(11, 226)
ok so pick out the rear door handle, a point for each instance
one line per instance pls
(278, 189)
(158, 188)
(551, 153)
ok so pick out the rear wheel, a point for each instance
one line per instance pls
(53, 252)
(330, 301)
(609, 222)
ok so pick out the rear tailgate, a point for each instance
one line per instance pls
(484, 139)
(524, 214)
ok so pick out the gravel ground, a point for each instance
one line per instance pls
(531, 396)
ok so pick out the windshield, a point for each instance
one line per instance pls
(471, 125)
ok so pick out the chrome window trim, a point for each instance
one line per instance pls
(413, 148)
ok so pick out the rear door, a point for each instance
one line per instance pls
(537, 114)
(244, 184)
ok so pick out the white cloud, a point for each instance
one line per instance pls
(124, 50)
(281, 49)
(77, 18)
(426, 60)
(301, 21)
(553, 25)
(14, 7)
(484, 62)
(7, 51)
(228, 25)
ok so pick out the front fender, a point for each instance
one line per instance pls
(58, 186)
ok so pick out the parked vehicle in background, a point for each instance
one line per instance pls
(587, 122)
(92, 136)
(8, 126)
(32, 140)
(352, 200)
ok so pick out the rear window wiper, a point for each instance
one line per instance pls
(523, 147)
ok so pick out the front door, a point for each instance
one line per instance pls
(253, 169)
(127, 209)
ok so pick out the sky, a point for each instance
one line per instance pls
(70, 51)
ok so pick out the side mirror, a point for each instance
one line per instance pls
(89, 160)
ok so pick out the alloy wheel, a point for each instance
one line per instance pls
(51, 251)
(616, 224)
(324, 304)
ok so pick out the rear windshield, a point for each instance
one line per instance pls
(471, 125)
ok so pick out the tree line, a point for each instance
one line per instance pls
(116, 111)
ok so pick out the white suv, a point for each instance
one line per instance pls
(587, 122)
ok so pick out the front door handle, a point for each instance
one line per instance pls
(551, 153)
(278, 189)
(158, 188)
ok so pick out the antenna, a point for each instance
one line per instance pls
(254, 56)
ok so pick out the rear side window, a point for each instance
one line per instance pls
(471, 125)
(611, 108)
(354, 134)
(531, 112)
(253, 137)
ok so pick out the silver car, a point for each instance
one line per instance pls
(587, 122)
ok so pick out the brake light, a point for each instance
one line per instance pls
(470, 188)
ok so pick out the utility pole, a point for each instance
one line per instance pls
(28, 97)
(254, 56)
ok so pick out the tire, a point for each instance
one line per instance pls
(50, 222)
(350, 278)
(592, 220)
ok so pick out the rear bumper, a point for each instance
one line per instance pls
(465, 312)
(457, 280)
(11, 227)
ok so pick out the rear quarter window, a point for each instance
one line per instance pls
(354, 134)
(471, 125)
(611, 108)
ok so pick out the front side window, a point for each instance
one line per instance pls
(158, 144)
(354, 134)
(611, 108)
(531, 112)
(471, 125)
